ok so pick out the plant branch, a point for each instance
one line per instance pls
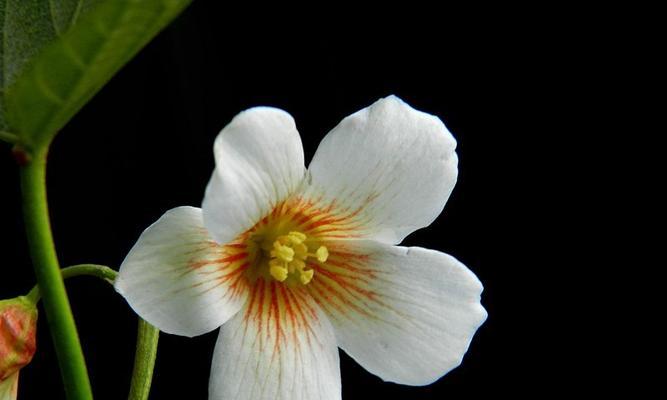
(52, 288)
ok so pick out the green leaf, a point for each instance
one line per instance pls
(26, 26)
(65, 73)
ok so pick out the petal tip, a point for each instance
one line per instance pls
(261, 112)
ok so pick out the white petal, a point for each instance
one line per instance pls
(389, 167)
(180, 280)
(259, 163)
(280, 347)
(406, 314)
(9, 387)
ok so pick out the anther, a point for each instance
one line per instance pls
(282, 252)
(277, 270)
(288, 257)
(306, 276)
(322, 254)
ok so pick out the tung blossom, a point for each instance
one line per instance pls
(294, 263)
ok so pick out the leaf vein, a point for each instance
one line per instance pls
(53, 18)
(76, 13)
(74, 56)
(45, 89)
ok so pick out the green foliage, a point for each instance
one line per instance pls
(56, 54)
(26, 26)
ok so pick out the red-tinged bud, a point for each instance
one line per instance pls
(18, 329)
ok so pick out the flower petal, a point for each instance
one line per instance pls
(180, 280)
(406, 314)
(259, 163)
(388, 167)
(280, 347)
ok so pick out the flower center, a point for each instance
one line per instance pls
(288, 255)
(288, 244)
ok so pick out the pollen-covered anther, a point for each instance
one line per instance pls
(322, 254)
(288, 257)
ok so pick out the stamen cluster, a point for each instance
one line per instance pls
(288, 257)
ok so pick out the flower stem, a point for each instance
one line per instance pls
(144, 361)
(99, 271)
(147, 335)
(50, 280)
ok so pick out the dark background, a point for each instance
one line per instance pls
(143, 145)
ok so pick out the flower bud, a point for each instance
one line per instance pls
(18, 329)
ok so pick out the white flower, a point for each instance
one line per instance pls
(293, 263)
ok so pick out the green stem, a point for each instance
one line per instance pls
(147, 335)
(52, 287)
(144, 361)
(96, 270)
(8, 137)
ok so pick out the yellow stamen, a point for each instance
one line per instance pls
(296, 237)
(277, 270)
(296, 265)
(288, 257)
(306, 276)
(282, 252)
(300, 251)
(322, 254)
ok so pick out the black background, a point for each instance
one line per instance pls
(143, 145)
